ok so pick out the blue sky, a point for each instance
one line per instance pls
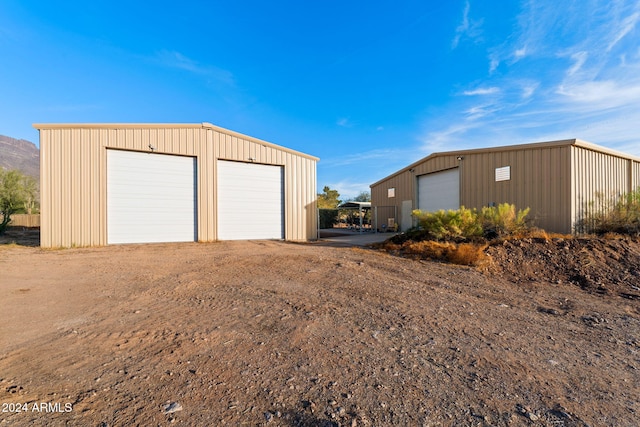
(367, 86)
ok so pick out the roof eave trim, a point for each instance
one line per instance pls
(203, 125)
(562, 142)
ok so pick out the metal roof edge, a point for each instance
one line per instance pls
(207, 125)
(203, 125)
(557, 143)
(41, 126)
(406, 168)
(605, 150)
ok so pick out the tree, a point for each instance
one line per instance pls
(364, 196)
(328, 202)
(17, 193)
(328, 199)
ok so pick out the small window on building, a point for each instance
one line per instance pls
(503, 174)
(391, 192)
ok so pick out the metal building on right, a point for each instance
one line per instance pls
(558, 180)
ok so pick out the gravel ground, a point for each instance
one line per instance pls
(282, 334)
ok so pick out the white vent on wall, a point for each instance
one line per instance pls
(391, 192)
(503, 174)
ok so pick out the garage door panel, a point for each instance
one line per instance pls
(150, 197)
(250, 201)
(439, 190)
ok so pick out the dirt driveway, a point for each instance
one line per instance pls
(282, 334)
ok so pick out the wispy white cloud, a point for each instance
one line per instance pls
(598, 95)
(462, 27)
(479, 111)
(482, 91)
(494, 62)
(344, 122)
(349, 189)
(447, 138)
(358, 158)
(529, 89)
(355, 177)
(468, 28)
(580, 58)
(520, 53)
(535, 23)
(626, 26)
(565, 72)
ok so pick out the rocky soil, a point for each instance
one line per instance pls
(607, 266)
(280, 334)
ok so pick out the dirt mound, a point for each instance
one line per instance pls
(597, 265)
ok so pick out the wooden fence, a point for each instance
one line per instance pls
(24, 220)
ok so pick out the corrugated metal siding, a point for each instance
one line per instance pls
(599, 179)
(73, 176)
(540, 180)
(557, 179)
(635, 175)
(405, 184)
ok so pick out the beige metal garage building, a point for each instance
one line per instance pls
(557, 180)
(138, 183)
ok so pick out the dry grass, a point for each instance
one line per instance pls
(463, 253)
(456, 253)
(428, 249)
(8, 245)
(533, 233)
(468, 254)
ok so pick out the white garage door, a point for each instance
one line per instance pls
(150, 197)
(250, 201)
(439, 190)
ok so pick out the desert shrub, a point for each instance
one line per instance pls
(465, 223)
(458, 236)
(328, 217)
(450, 224)
(503, 220)
(431, 223)
(613, 215)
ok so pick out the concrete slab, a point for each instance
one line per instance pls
(347, 238)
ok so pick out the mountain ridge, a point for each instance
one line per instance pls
(20, 154)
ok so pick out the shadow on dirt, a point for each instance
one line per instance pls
(299, 419)
(21, 236)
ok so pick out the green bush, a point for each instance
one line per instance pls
(450, 224)
(328, 217)
(503, 220)
(468, 223)
(17, 194)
